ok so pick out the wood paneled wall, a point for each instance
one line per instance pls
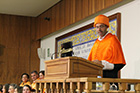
(67, 12)
(17, 47)
(18, 34)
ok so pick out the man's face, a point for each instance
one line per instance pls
(34, 76)
(101, 29)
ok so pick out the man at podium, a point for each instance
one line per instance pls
(107, 49)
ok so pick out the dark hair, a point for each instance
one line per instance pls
(19, 89)
(43, 72)
(6, 88)
(26, 75)
(28, 87)
(13, 85)
(1, 86)
(34, 72)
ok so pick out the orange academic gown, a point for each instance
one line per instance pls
(108, 49)
(33, 85)
(27, 83)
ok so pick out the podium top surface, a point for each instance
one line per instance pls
(74, 58)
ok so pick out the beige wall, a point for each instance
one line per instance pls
(130, 18)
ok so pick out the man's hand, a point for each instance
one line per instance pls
(97, 61)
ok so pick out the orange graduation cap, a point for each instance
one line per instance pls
(101, 19)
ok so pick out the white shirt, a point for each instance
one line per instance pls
(107, 65)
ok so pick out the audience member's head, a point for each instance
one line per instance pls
(26, 89)
(12, 88)
(41, 74)
(25, 77)
(34, 75)
(5, 88)
(18, 90)
(1, 86)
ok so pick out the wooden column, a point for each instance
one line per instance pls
(137, 88)
(37, 87)
(47, 87)
(72, 87)
(65, 87)
(122, 87)
(106, 87)
(52, 87)
(58, 87)
(88, 87)
(80, 87)
(41, 87)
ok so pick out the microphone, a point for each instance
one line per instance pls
(53, 54)
(64, 53)
(56, 53)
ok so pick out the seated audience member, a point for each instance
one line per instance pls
(1, 86)
(26, 89)
(41, 74)
(34, 76)
(24, 80)
(12, 88)
(18, 89)
(5, 88)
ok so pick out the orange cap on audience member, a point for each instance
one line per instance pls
(101, 19)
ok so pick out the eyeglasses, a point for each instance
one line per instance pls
(101, 26)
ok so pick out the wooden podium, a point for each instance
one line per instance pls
(78, 75)
(71, 67)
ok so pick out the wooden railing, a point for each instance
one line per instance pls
(86, 85)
